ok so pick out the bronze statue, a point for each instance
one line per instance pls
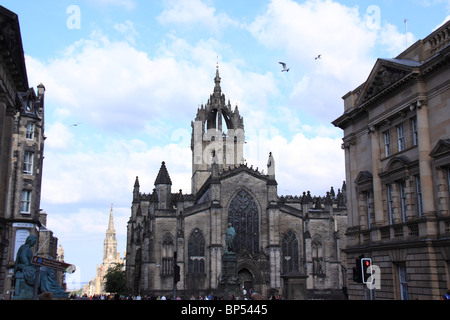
(24, 271)
(229, 238)
(25, 275)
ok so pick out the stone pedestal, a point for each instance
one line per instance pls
(229, 283)
(294, 286)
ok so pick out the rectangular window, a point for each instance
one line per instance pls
(30, 130)
(390, 202)
(25, 203)
(419, 196)
(401, 137)
(369, 223)
(414, 131)
(402, 187)
(448, 180)
(403, 282)
(387, 144)
(28, 163)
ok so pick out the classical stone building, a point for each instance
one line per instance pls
(280, 241)
(21, 155)
(397, 149)
(111, 257)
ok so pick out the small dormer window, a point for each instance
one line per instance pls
(29, 104)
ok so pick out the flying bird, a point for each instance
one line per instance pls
(284, 67)
(319, 56)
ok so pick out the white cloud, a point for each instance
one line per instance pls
(108, 174)
(114, 86)
(394, 41)
(345, 38)
(126, 4)
(128, 30)
(59, 136)
(194, 13)
(316, 27)
(301, 164)
(336, 32)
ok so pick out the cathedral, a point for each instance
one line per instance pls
(283, 245)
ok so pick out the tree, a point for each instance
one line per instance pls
(115, 279)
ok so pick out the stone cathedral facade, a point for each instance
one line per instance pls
(278, 238)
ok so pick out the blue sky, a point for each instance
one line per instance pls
(131, 74)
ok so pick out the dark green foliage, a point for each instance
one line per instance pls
(115, 279)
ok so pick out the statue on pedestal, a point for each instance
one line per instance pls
(229, 238)
(229, 284)
(24, 271)
(25, 275)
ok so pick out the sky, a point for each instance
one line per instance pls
(124, 79)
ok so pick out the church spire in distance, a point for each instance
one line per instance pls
(110, 253)
(111, 221)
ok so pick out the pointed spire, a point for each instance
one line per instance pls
(163, 176)
(136, 193)
(217, 88)
(111, 220)
(271, 166)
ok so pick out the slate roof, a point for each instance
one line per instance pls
(163, 176)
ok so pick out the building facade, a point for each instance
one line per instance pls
(276, 237)
(21, 155)
(397, 150)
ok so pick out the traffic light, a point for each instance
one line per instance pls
(357, 271)
(176, 273)
(176, 269)
(366, 268)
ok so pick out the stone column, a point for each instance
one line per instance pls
(275, 266)
(376, 181)
(430, 227)
(424, 145)
(215, 265)
(351, 173)
(274, 245)
(217, 234)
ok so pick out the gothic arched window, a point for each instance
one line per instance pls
(243, 215)
(317, 255)
(290, 252)
(196, 253)
(167, 251)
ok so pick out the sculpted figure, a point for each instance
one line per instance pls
(25, 274)
(229, 238)
(24, 271)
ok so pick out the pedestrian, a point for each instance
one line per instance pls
(256, 296)
(446, 296)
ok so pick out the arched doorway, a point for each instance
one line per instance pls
(246, 279)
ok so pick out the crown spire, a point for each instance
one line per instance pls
(217, 88)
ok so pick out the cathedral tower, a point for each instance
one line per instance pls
(217, 136)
